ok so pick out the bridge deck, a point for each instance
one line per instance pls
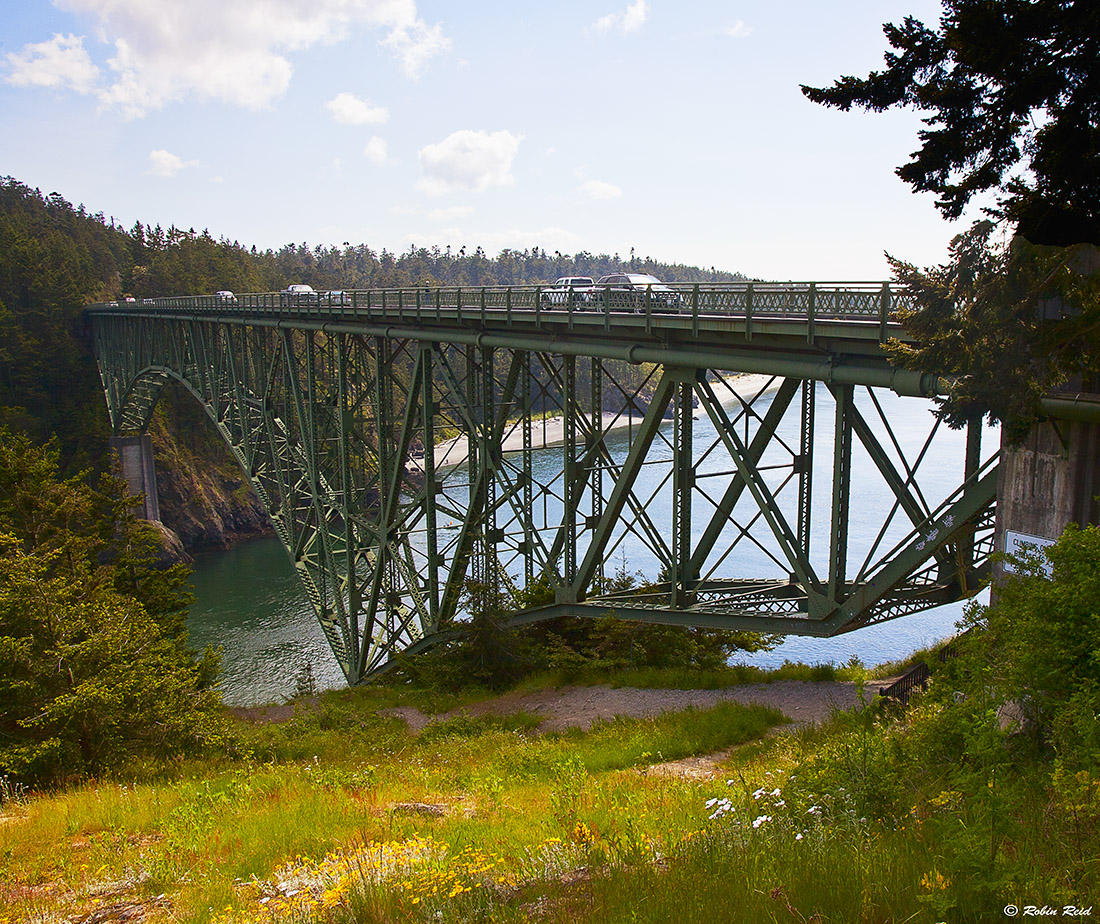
(831, 332)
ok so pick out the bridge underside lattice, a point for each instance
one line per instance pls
(400, 462)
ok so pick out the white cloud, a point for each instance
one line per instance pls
(163, 163)
(629, 20)
(598, 189)
(738, 30)
(457, 211)
(467, 161)
(61, 62)
(416, 44)
(348, 109)
(231, 51)
(376, 151)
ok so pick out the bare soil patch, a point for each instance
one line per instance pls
(804, 702)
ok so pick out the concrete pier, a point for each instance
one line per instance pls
(136, 456)
(1049, 481)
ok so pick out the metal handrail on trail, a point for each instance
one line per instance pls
(918, 675)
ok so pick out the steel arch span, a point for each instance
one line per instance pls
(405, 449)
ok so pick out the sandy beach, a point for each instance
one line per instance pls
(550, 431)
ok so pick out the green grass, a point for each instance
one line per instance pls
(699, 679)
(492, 822)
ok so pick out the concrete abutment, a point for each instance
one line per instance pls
(1046, 483)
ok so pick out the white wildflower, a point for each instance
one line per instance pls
(760, 819)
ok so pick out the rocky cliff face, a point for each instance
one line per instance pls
(204, 497)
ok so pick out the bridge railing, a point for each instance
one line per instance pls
(869, 301)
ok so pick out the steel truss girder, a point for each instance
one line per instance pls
(395, 468)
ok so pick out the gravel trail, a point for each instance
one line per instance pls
(804, 702)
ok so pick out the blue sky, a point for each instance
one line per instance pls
(674, 128)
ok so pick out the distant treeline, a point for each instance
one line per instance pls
(55, 258)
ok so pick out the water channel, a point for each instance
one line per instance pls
(248, 599)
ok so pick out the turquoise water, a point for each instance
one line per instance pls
(248, 599)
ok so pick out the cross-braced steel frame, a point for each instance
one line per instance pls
(404, 449)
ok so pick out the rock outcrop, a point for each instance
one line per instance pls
(204, 497)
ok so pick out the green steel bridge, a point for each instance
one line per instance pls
(399, 441)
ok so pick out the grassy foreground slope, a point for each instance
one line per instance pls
(342, 815)
(980, 801)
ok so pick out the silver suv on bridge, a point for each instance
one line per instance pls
(633, 291)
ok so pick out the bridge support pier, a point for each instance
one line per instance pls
(1049, 481)
(135, 453)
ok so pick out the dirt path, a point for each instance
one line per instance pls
(803, 702)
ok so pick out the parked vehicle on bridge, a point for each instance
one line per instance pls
(566, 290)
(633, 291)
(225, 297)
(299, 294)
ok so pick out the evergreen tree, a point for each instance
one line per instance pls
(94, 668)
(1006, 84)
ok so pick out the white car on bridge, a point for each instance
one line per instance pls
(567, 289)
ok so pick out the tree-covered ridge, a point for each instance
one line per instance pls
(360, 267)
(56, 258)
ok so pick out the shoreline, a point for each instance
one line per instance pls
(550, 432)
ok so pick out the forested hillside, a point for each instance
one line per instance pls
(55, 258)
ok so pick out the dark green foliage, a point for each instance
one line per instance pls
(1006, 83)
(489, 654)
(574, 646)
(94, 668)
(361, 267)
(1006, 322)
(1012, 92)
(996, 768)
(484, 653)
(54, 259)
(1040, 647)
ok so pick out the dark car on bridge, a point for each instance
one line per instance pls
(634, 292)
